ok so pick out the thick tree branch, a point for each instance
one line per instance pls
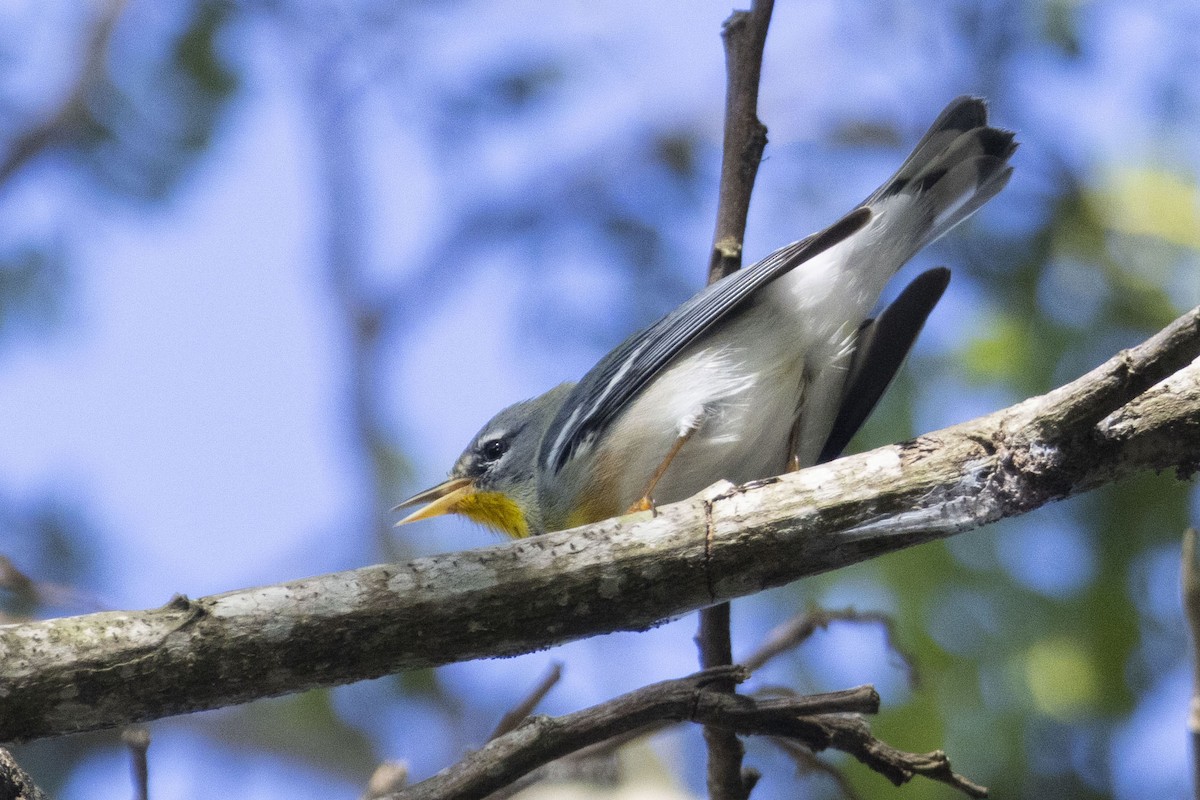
(101, 670)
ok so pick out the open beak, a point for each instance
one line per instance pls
(441, 499)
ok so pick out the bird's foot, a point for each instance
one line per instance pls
(645, 504)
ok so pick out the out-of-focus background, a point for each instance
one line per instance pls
(265, 267)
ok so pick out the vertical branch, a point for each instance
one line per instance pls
(346, 263)
(726, 779)
(137, 739)
(744, 34)
(1190, 579)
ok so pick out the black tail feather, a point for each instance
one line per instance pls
(882, 346)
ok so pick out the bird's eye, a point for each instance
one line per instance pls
(493, 449)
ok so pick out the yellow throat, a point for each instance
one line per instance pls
(495, 510)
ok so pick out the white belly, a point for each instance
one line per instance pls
(739, 394)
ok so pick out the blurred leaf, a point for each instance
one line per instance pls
(1149, 202)
(1000, 352)
(32, 283)
(422, 682)
(522, 87)
(305, 727)
(1061, 676)
(392, 467)
(1059, 24)
(195, 51)
(677, 151)
(867, 133)
(155, 109)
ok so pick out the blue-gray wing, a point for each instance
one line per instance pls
(609, 387)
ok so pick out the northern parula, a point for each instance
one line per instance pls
(771, 368)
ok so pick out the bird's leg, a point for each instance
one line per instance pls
(793, 448)
(793, 442)
(647, 501)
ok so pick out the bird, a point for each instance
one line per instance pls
(772, 368)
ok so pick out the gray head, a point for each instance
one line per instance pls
(494, 481)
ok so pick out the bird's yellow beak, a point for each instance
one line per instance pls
(441, 499)
(459, 496)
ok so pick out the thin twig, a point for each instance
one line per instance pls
(802, 626)
(137, 739)
(852, 735)
(818, 722)
(544, 739)
(807, 762)
(782, 638)
(517, 715)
